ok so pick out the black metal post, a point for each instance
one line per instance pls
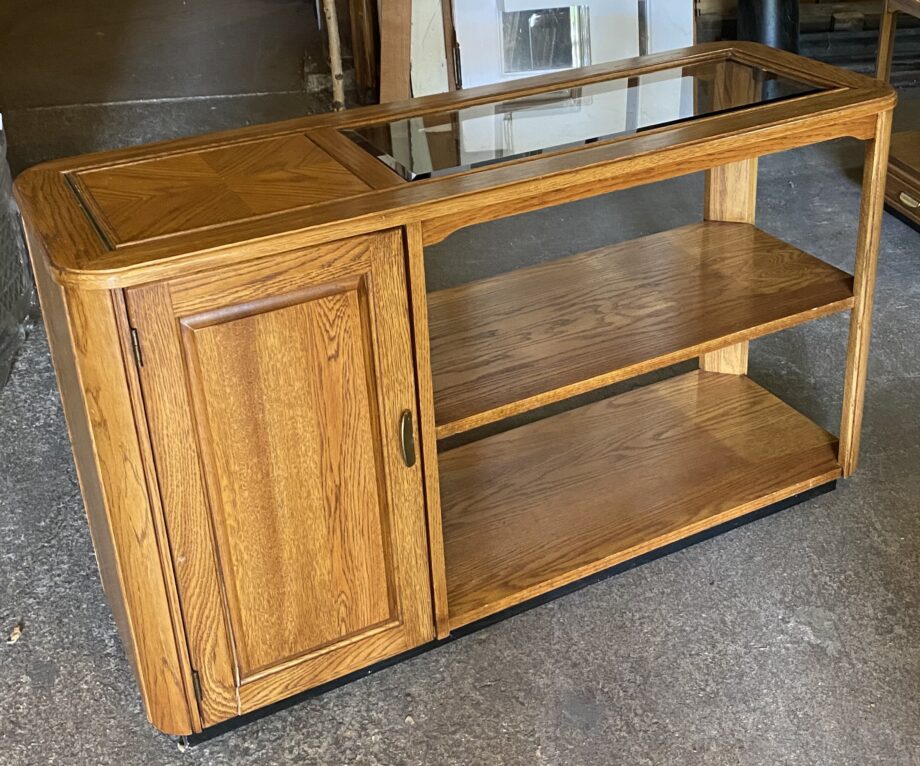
(773, 22)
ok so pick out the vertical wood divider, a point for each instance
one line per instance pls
(731, 195)
(875, 171)
(418, 300)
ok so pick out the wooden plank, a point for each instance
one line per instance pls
(395, 50)
(364, 166)
(732, 360)
(170, 427)
(85, 343)
(429, 71)
(867, 246)
(363, 17)
(543, 505)
(731, 195)
(418, 297)
(520, 340)
(450, 44)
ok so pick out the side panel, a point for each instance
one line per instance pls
(86, 348)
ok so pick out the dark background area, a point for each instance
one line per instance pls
(81, 75)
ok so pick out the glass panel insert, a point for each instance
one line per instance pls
(546, 39)
(476, 136)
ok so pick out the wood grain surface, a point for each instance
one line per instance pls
(151, 198)
(545, 504)
(288, 401)
(274, 396)
(731, 195)
(875, 169)
(887, 28)
(418, 297)
(83, 334)
(143, 231)
(258, 530)
(529, 337)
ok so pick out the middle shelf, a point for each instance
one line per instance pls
(521, 340)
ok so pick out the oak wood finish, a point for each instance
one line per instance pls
(731, 360)
(887, 31)
(84, 339)
(199, 189)
(78, 253)
(867, 245)
(427, 427)
(300, 541)
(363, 17)
(530, 337)
(240, 324)
(731, 195)
(545, 504)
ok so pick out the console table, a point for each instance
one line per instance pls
(257, 382)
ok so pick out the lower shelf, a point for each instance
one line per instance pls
(540, 506)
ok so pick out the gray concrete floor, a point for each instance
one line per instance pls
(793, 640)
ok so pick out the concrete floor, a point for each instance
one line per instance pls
(793, 640)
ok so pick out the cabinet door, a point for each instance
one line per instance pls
(274, 394)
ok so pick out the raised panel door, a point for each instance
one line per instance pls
(274, 398)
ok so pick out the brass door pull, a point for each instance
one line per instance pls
(406, 438)
(909, 200)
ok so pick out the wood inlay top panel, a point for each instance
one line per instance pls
(194, 190)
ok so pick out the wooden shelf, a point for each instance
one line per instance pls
(521, 340)
(537, 507)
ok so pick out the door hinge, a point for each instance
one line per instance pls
(136, 348)
(458, 76)
(196, 683)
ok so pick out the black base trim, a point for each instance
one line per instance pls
(901, 217)
(235, 723)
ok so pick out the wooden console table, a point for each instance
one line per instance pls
(903, 190)
(256, 380)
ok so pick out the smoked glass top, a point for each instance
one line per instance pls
(476, 136)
